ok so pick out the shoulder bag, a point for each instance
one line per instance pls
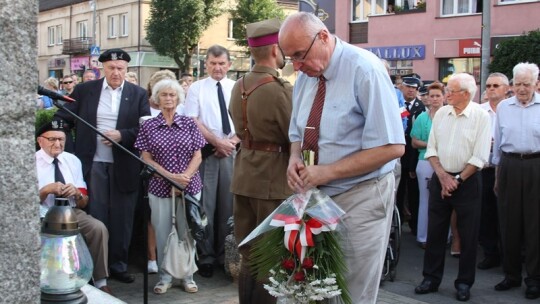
(179, 256)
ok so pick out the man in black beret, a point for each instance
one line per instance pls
(59, 174)
(113, 106)
(408, 185)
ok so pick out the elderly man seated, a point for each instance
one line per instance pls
(60, 174)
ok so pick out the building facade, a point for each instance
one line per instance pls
(433, 39)
(72, 34)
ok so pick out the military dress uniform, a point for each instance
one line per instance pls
(259, 182)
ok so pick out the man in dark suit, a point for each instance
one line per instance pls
(113, 106)
(408, 185)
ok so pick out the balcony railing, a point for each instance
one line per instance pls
(79, 45)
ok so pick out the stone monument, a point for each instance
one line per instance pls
(19, 227)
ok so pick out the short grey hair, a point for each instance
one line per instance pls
(167, 84)
(501, 75)
(308, 22)
(529, 69)
(466, 82)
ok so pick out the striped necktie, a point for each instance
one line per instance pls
(311, 133)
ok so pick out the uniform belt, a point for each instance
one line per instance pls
(263, 146)
(522, 155)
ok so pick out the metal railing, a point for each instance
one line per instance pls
(80, 45)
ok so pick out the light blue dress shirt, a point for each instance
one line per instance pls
(517, 128)
(360, 111)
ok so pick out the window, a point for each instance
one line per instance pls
(50, 32)
(460, 7)
(362, 9)
(451, 66)
(82, 29)
(123, 25)
(112, 26)
(59, 34)
(230, 31)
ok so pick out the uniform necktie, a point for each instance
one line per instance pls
(226, 127)
(311, 134)
(58, 177)
(408, 104)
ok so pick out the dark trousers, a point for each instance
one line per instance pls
(248, 214)
(115, 209)
(519, 210)
(489, 237)
(408, 192)
(466, 201)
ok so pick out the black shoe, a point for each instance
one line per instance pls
(463, 292)
(532, 292)
(123, 277)
(489, 262)
(507, 284)
(426, 286)
(206, 270)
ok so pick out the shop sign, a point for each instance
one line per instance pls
(406, 52)
(155, 60)
(470, 48)
(80, 63)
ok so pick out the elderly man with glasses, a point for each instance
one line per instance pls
(60, 174)
(345, 111)
(458, 148)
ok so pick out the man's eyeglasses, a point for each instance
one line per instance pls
(492, 85)
(54, 139)
(297, 59)
(67, 82)
(451, 92)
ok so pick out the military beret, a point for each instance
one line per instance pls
(114, 54)
(55, 125)
(263, 32)
(412, 82)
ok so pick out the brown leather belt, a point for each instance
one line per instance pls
(521, 155)
(262, 146)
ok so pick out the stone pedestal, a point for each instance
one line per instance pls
(19, 227)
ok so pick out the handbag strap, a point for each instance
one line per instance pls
(183, 203)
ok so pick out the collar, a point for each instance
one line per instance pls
(160, 119)
(47, 158)
(214, 82)
(513, 100)
(466, 112)
(257, 68)
(106, 85)
(332, 70)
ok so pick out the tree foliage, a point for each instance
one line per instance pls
(248, 11)
(513, 51)
(175, 27)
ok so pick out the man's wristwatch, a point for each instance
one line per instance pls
(458, 178)
(80, 196)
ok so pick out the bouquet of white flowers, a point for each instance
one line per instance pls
(299, 252)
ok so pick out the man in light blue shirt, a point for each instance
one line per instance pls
(516, 153)
(359, 139)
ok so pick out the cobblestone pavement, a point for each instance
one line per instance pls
(222, 290)
(218, 289)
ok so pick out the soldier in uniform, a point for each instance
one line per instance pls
(260, 108)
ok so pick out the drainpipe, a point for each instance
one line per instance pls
(139, 68)
(486, 47)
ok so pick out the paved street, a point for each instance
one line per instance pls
(220, 289)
